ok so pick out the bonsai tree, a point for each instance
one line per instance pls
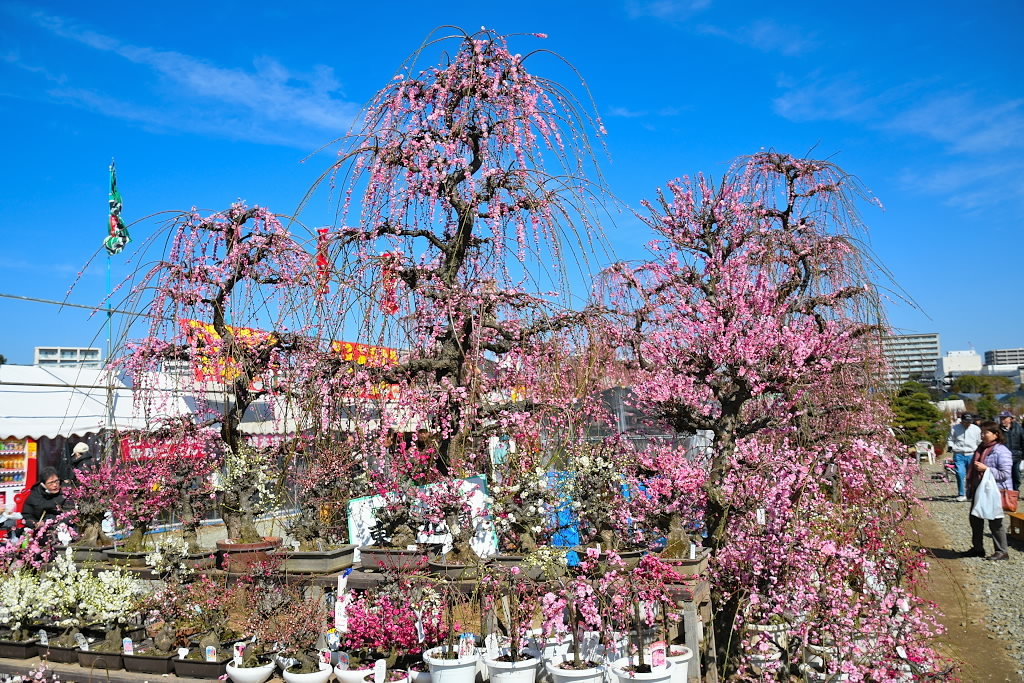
(755, 318)
(382, 621)
(24, 599)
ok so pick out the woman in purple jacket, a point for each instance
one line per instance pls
(991, 455)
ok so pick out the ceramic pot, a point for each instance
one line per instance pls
(321, 676)
(560, 675)
(111, 661)
(352, 675)
(18, 649)
(194, 668)
(459, 670)
(61, 655)
(148, 664)
(376, 558)
(522, 671)
(316, 561)
(680, 656)
(455, 572)
(416, 676)
(250, 674)
(123, 558)
(238, 557)
(657, 675)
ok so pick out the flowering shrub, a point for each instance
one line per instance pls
(24, 599)
(384, 619)
(81, 597)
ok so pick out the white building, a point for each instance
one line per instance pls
(68, 357)
(911, 356)
(957, 363)
(1013, 357)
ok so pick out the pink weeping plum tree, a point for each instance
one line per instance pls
(754, 318)
(466, 210)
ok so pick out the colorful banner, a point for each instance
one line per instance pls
(212, 363)
(118, 232)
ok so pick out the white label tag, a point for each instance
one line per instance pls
(466, 645)
(421, 636)
(693, 551)
(211, 653)
(380, 670)
(411, 546)
(343, 661)
(83, 644)
(658, 654)
(44, 638)
(491, 643)
(128, 646)
(182, 652)
(761, 519)
(325, 656)
(341, 603)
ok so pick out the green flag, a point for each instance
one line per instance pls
(118, 237)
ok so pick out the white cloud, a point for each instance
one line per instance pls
(266, 103)
(767, 36)
(666, 10)
(964, 123)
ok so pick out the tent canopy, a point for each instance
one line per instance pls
(49, 402)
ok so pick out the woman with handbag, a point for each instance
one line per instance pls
(993, 456)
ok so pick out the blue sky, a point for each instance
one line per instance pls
(206, 103)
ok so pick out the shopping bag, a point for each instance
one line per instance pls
(987, 502)
(1009, 498)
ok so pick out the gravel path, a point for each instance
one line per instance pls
(1000, 585)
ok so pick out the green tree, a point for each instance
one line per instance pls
(915, 417)
(982, 384)
(3, 359)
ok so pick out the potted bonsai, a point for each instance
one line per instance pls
(328, 476)
(24, 599)
(82, 598)
(513, 600)
(250, 486)
(394, 535)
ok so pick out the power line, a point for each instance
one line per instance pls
(95, 309)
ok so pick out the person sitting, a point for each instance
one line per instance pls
(45, 500)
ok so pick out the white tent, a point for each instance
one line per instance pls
(48, 401)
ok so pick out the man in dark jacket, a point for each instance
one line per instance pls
(45, 500)
(1013, 437)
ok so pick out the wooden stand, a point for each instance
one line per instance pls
(694, 599)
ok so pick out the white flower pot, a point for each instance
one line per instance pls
(250, 674)
(414, 676)
(658, 675)
(321, 676)
(680, 656)
(523, 671)
(559, 675)
(459, 670)
(351, 675)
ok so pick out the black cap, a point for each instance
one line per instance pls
(967, 416)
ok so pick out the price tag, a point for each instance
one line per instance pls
(491, 643)
(128, 646)
(380, 671)
(333, 640)
(761, 519)
(421, 636)
(182, 652)
(211, 653)
(325, 656)
(83, 644)
(693, 551)
(466, 645)
(343, 661)
(658, 649)
(411, 546)
(341, 603)
(44, 638)
(239, 649)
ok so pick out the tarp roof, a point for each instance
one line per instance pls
(40, 401)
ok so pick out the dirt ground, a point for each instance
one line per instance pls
(981, 654)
